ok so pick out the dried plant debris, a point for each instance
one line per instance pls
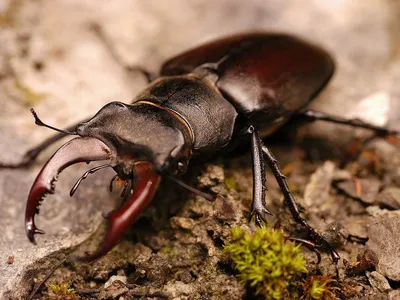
(320, 287)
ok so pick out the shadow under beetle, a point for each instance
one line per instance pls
(204, 100)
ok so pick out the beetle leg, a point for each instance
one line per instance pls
(84, 176)
(310, 245)
(312, 115)
(208, 196)
(258, 206)
(146, 183)
(291, 203)
(313, 247)
(111, 49)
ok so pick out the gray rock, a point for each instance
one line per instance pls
(389, 197)
(317, 190)
(376, 211)
(384, 241)
(389, 158)
(178, 288)
(336, 234)
(357, 227)
(378, 281)
(113, 278)
(114, 290)
(394, 295)
(365, 189)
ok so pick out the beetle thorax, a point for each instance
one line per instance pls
(140, 132)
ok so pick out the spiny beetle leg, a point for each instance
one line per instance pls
(310, 245)
(258, 208)
(291, 203)
(312, 115)
(313, 247)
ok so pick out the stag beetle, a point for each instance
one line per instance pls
(203, 101)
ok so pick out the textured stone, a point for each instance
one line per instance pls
(378, 281)
(389, 197)
(113, 278)
(317, 190)
(365, 190)
(384, 241)
(184, 223)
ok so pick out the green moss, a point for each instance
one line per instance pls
(63, 290)
(319, 287)
(231, 184)
(265, 261)
(167, 249)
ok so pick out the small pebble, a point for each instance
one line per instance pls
(181, 222)
(10, 259)
(113, 278)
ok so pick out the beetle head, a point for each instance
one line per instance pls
(140, 132)
(140, 141)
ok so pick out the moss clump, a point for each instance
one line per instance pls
(320, 287)
(265, 261)
(231, 184)
(62, 291)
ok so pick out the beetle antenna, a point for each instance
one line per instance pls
(40, 123)
(84, 176)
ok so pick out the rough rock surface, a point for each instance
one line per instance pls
(389, 197)
(378, 281)
(384, 240)
(317, 190)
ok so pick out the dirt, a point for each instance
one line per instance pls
(175, 250)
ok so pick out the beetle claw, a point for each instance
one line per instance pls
(259, 216)
(76, 150)
(31, 231)
(146, 183)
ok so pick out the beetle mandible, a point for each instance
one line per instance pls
(204, 100)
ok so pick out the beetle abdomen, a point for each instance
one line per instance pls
(267, 77)
(211, 118)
